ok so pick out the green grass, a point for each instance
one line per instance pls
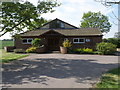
(110, 79)
(7, 57)
(6, 43)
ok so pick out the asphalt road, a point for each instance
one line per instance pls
(56, 71)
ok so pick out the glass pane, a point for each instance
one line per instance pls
(62, 25)
(75, 40)
(24, 40)
(29, 40)
(87, 40)
(81, 40)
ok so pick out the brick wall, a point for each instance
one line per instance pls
(19, 44)
(91, 44)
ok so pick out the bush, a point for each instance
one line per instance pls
(31, 50)
(78, 50)
(97, 52)
(19, 51)
(36, 42)
(83, 51)
(106, 48)
(87, 51)
(67, 44)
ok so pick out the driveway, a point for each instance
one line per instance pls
(57, 71)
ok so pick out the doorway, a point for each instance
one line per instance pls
(53, 44)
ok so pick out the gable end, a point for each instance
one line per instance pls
(58, 24)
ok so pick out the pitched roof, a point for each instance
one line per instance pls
(60, 21)
(34, 33)
(67, 32)
(80, 32)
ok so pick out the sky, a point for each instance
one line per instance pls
(71, 11)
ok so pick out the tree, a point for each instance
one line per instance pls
(115, 41)
(110, 3)
(96, 20)
(17, 16)
(117, 35)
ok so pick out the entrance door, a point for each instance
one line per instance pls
(53, 44)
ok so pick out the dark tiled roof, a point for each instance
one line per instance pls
(80, 32)
(34, 33)
(67, 32)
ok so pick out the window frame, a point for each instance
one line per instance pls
(78, 40)
(27, 40)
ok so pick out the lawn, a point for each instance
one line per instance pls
(6, 57)
(6, 43)
(110, 79)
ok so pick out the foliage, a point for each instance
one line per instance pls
(83, 50)
(36, 42)
(97, 52)
(19, 50)
(115, 41)
(96, 20)
(4, 43)
(78, 50)
(117, 35)
(106, 48)
(67, 44)
(17, 16)
(110, 79)
(87, 50)
(31, 50)
(7, 57)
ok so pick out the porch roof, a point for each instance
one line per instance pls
(66, 32)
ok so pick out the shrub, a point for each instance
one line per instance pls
(106, 48)
(19, 50)
(84, 50)
(78, 50)
(87, 51)
(36, 42)
(31, 50)
(97, 52)
(67, 44)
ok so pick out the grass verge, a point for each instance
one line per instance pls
(7, 57)
(110, 79)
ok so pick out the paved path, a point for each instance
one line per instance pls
(57, 71)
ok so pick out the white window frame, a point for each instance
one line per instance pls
(27, 40)
(78, 40)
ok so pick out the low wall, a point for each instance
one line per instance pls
(9, 48)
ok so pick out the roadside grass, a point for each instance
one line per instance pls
(6, 43)
(7, 57)
(110, 79)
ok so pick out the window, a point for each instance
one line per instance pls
(27, 40)
(87, 40)
(62, 25)
(56, 24)
(78, 40)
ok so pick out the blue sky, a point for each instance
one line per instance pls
(71, 11)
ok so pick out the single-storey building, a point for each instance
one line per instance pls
(55, 32)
